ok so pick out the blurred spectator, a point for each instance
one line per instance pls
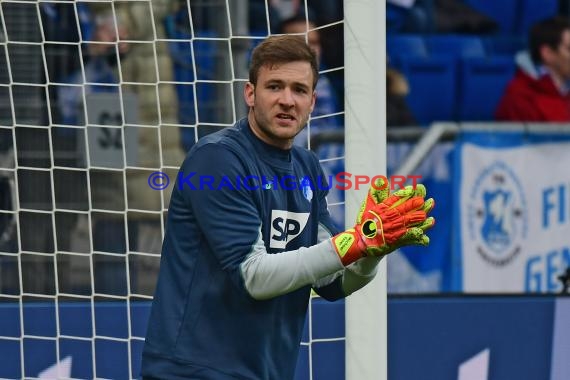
(9, 283)
(286, 8)
(58, 27)
(397, 111)
(326, 103)
(540, 89)
(409, 16)
(327, 13)
(457, 16)
(322, 117)
(60, 24)
(146, 70)
(99, 75)
(100, 67)
(436, 16)
(265, 16)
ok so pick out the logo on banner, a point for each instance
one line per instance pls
(497, 214)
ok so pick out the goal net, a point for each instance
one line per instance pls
(99, 102)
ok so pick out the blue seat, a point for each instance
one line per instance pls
(402, 45)
(504, 12)
(533, 11)
(482, 83)
(432, 87)
(504, 45)
(455, 45)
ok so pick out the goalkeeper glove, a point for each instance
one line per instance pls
(413, 236)
(385, 223)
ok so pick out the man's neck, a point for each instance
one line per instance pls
(558, 81)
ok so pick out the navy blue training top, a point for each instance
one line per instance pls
(234, 195)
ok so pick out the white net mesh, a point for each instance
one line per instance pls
(94, 99)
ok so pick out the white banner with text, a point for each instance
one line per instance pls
(513, 213)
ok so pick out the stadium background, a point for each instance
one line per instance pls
(62, 295)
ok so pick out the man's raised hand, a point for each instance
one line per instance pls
(386, 222)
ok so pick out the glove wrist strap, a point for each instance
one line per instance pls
(349, 246)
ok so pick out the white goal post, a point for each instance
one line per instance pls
(365, 144)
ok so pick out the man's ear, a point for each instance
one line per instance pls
(249, 94)
(314, 100)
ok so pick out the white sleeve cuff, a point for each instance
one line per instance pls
(270, 275)
(359, 273)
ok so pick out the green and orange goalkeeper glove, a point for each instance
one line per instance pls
(386, 222)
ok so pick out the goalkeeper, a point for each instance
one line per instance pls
(239, 261)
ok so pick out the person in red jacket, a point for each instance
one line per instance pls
(540, 89)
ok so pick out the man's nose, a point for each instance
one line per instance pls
(286, 98)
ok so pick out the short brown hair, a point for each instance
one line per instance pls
(546, 32)
(282, 49)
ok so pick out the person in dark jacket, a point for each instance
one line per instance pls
(540, 89)
(398, 113)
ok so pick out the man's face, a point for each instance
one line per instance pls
(560, 61)
(281, 102)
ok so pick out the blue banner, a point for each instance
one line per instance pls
(446, 338)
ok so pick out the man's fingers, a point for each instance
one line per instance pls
(412, 204)
(413, 236)
(402, 195)
(420, 190)
(427, 224)
(414, 218)
(401, 218)
(376, 195)
(379, 190)
(428, 205)
(397, 198)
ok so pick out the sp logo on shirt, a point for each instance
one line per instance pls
(286, 226)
